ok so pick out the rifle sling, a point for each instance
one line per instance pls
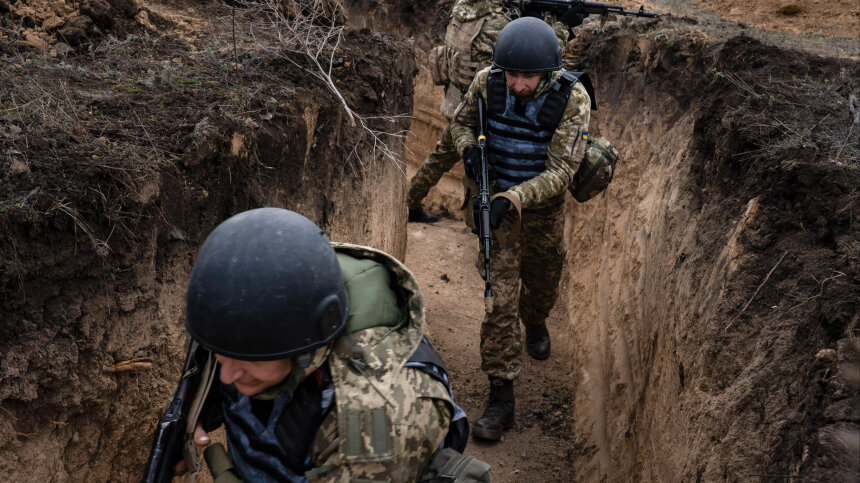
(189, 451)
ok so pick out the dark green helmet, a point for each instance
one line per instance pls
(527, 44)
(266, 285)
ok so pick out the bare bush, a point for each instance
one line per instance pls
(804, 119)
(314, 30)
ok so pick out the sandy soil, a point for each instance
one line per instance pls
(837, 18)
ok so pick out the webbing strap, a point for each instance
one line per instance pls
(497, 91)
(190, 453)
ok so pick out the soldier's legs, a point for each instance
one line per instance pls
(542, 263)
(500, 343)
(432, 169)
(500, 331)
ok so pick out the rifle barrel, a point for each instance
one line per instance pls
(486, 232)
(558, 7)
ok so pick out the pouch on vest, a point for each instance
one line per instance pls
(596, 171)
(220, 465)
(438, 66)
(449, 466)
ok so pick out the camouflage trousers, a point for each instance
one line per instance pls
(525, 287)
(431, 170)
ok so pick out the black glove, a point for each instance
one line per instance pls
(498, 208)
(572, 18)
(472, 161)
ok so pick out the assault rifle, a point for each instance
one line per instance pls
(484, 231)
(170, 435)
(558, 8)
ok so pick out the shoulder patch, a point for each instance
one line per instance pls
(368, 434)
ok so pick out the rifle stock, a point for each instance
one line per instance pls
(170, 434)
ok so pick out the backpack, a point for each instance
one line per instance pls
(596, 170)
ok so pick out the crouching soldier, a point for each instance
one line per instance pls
(320, 370)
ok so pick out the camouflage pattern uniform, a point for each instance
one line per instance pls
(388, 419)
(525, 276)
(469, 39)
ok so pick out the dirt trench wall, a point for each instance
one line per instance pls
(95, 264)
(712, 295)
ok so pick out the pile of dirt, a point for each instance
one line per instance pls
(837, 18)
(55, 27)
(116, 163)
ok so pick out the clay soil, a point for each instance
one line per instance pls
(543, 442)
(707, 326)
(840, 18)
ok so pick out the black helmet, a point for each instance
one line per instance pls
(266, 285)
(527, 44)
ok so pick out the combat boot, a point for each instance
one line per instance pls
(537, 341)
(417, 215)
(499, 415)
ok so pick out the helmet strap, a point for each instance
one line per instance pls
(303, 365)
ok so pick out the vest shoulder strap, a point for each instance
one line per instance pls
(497, 91)
(556, 100)
(427, 360)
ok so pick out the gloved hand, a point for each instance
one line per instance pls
(572, 19)
(472, 161)
(498, 208)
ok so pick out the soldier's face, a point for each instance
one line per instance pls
(253, 377)
(522, 83)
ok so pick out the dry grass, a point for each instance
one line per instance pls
(803, 119)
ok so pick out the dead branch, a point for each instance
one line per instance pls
(314, 30)
(756, 291)
(9, 413)
(137, 364)
(101, 247)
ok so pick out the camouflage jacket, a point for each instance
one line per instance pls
(469, 38)
(565, 150)
(388, 419)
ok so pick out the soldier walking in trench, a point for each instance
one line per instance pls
(537, 132)
(469, 38)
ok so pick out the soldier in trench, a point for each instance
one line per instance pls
(536, 137)
(469, 38)
(323, 372)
